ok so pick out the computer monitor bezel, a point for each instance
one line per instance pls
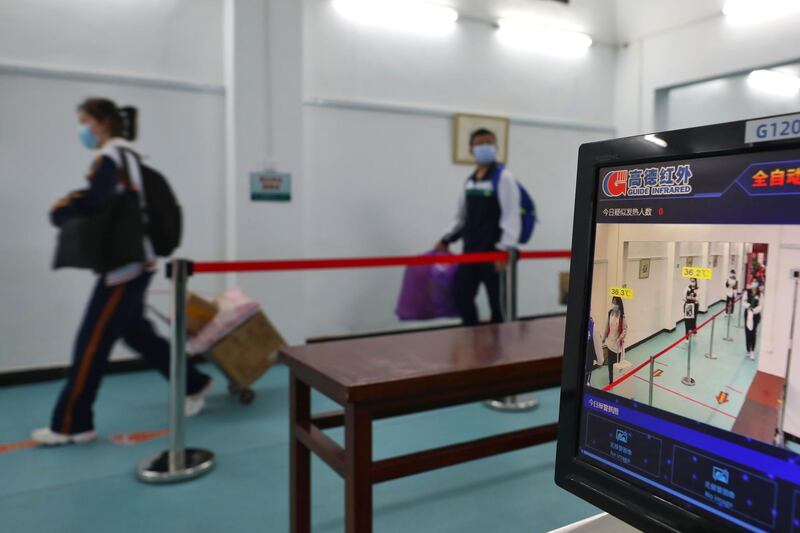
(621, 498)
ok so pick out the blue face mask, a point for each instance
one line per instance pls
(485, 154)
(616, 307)
(87, 137)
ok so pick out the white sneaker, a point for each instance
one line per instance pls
(48, 437)
(195, 402)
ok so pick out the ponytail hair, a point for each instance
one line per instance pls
(121, 122)
(130, 122)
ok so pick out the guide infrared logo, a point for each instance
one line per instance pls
(644, 182)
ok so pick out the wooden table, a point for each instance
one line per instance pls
(393, 375)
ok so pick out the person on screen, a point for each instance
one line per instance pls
(614, 335)
(690, 307)
(731, 286)
(591, 353)
(488, 220)
(752, 317)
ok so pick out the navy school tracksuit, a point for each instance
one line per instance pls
(488, 220)
(116, 309)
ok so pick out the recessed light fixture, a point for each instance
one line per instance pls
(749, 11)
(406, 15)
(775, 82)
(543, 39)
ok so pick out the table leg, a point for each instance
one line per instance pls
(299, 457)
(358, 482)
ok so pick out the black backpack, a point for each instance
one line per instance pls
(164, 218)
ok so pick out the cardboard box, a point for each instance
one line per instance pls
(199, 312)
(246, 353)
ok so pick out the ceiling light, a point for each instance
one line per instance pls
(749, 11)
(658, 141)
(543, 39)
(406, 15)
(774, 81)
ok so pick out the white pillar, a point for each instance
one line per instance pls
(705, 262)
(264, 131)
(667, 311)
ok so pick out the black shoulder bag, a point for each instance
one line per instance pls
(108, 239)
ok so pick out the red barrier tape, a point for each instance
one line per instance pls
(646, 362)
(367, 262)
(546, 254)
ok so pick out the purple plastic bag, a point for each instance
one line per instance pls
(427, 292)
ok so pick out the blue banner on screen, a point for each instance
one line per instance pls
(738, 189)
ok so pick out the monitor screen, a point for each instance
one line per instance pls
(691, 323)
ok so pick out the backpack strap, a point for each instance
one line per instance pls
(136, 181)
(496, 172)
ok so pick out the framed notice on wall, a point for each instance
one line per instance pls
(463, 126)
(269, 186)
(644, 268)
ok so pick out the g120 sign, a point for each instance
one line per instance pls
(773, 129)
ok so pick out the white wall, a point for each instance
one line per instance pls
(182, 135)
(380, 180)
(711, 47)
(788, 259)
(125, 51)
(174, 39)
(722, 100)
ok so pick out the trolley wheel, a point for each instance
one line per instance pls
(246, 396)
(234, 389)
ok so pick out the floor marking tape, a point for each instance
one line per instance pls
(131, 439)
(734, 390)
(688, 398)
(4, 448)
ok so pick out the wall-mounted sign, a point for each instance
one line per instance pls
(269, 186)
(644, 268)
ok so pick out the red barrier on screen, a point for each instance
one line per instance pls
(368, 262)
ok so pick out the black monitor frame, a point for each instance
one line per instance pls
(644, 510)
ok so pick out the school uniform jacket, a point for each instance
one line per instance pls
(105, 179)
(487, 220)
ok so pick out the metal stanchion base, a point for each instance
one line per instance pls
(156, 469)
(711, 356)
(520, 402)
(689, 381)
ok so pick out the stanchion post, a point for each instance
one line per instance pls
(727, 336)
(178, 463)
(508, 280)
(741, 310)
(710, 353)
(652, 379)
(689, 380)
(511, 285)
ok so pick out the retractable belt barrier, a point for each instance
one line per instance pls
(180, 463)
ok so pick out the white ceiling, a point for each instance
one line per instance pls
(595, 17)
(607, 21)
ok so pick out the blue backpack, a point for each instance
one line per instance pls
(527, 209)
